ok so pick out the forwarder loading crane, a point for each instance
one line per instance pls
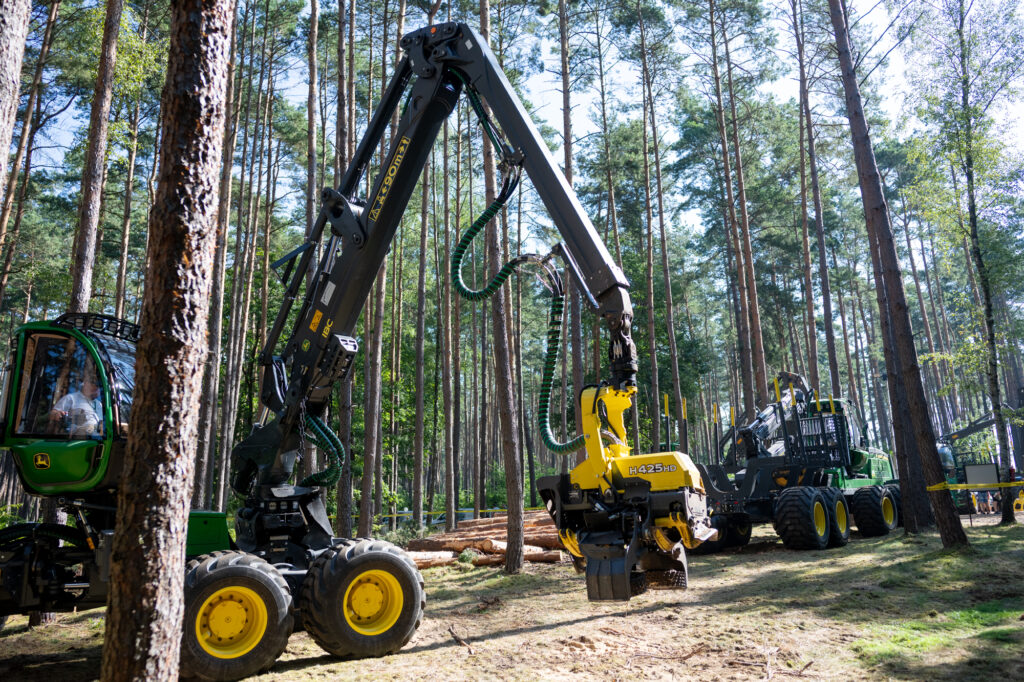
(627, 517)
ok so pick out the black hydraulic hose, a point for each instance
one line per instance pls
(53, 531)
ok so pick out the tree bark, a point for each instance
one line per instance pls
(208, 431)
(14, 21)
(810, 326)
(819, 226)
(732, 231)
(670, 324)
(984, 283)
(19, 212)
(505, 396)
(12, 45)
(575, 311)
(753, 308)
(421, 305)
(880, 230)
(84, 250)
(129, 190)
(143, 630)
(314, 21)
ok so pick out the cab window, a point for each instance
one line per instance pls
(60, 390)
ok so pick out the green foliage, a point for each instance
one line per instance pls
(9, 515)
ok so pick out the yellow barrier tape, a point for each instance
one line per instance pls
(972, 486)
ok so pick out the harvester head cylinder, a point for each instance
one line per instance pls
(602, 404)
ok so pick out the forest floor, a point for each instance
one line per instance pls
(880, 608)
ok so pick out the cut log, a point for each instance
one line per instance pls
(442, 543)
(499, 547)
(534, 556)
(456, 542)
(542, 557)
(432, 559)
(480, 525)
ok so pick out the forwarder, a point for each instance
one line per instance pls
(356, 598)
(804, 466)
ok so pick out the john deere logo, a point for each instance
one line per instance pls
(41, 460)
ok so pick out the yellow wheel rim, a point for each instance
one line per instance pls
(373, 602)
(820, 519)
(888, 510)
(841, 519)
(231, 622)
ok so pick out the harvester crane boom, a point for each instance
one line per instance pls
(440, 62)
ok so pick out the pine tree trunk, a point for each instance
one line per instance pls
(967, 114)
(14, 24)
(129, 190)
(732, 229)
(504, 394)
(144, 614)
(652, 341)
(84, 250)
(941, 411)
(372, 410)
(819, 226)
(206, 456)
(575, 312)
(14, 21)
(19, 211)
(421, 305)
(311, 188)
(753, 307)
(880, 231)
(810, 326)
(670, 324)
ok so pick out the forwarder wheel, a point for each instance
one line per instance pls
(838, 517)
(361, 599)
(874, 511)
(237, 616)
(897, 497)
(739, 532)
(801, 518)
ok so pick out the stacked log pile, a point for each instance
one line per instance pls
(487, 540)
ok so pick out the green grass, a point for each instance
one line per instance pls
(961, 606)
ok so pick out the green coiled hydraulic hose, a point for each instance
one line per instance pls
(496, 282)
(547, 379)
(324, 439)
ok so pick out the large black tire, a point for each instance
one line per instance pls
(897, 497)
(740, 529)
(362, 599)
(221, 588)
(801, 518)
(874, 511)
(721, 523)
(838, 517)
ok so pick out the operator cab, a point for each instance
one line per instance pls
(66, 402)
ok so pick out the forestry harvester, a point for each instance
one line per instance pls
(70, 381)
